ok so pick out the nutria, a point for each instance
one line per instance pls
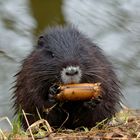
(64, 55)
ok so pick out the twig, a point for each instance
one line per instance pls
(65, 119)
(38, 113)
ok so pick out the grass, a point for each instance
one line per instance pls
(125, 125)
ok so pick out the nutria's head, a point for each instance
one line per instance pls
(63, 55)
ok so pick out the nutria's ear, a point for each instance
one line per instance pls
(41, 41)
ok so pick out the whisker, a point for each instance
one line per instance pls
(93, 74)
(98, 68)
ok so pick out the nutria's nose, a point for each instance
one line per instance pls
(71, 74)
(71, 71)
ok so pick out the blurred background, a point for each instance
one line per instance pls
(114, 25)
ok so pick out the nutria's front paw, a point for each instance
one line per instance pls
(53, 90)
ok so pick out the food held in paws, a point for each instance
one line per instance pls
(75, 92)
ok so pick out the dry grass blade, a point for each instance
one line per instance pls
(138, 136)
(2, 136)
(28, 124)
(7, 119)
(40, 129)
(37, 124)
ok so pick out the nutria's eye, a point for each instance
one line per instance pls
(50, 54)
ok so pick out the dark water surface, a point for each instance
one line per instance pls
(47, 13)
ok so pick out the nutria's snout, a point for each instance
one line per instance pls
(71, 74)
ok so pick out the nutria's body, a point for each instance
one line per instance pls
(63, 55)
